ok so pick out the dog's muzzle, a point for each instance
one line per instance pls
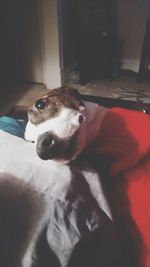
(49, 146)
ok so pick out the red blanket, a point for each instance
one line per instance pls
(125, 135)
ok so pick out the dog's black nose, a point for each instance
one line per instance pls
(45, 144)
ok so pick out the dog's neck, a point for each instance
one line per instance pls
(95, 115)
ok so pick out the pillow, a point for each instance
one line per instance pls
(13, 126)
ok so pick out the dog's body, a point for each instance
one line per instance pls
(62, 126)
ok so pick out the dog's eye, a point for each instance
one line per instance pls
(41, 104)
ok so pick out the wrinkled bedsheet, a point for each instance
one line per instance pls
(80, 231)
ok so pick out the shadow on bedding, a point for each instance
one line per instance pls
(82, 219)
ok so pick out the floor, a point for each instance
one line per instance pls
(20, 94)
(124, 87)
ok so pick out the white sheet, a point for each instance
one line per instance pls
(78, 209)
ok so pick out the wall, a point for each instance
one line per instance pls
(131, 18)
(48, 14)
(20, 51)
(29, 47)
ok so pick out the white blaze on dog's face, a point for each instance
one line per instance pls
(55, 122)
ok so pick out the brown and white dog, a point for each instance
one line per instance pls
(62, 125)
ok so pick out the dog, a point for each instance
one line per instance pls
(62, 125)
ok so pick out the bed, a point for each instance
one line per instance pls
(80, 230)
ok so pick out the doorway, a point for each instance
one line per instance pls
(88, 39)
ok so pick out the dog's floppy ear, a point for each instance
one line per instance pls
(75, 93)
(72, 91)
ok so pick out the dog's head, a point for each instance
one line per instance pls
(58, 124)
(54, 124)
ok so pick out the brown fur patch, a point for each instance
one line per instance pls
(56, 99)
